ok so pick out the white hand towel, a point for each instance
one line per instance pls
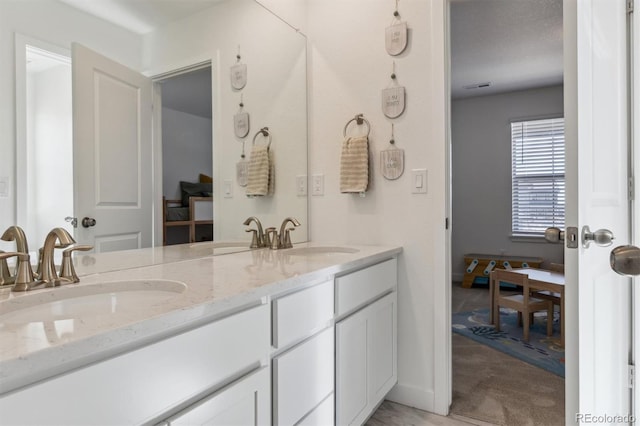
(260, 171)
(354, 165)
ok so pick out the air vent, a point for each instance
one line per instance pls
(477, 85)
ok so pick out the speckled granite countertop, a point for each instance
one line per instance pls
(215, 286)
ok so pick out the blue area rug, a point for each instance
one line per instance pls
(541, 351)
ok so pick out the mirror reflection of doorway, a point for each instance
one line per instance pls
(187, 156)
(45, 165)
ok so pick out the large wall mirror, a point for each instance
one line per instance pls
(210, 42)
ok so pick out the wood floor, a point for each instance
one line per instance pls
(392, 414)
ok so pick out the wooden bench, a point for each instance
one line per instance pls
(480, 266)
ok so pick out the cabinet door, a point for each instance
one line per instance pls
(366, 363)
(243, 403)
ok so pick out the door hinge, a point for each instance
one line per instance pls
(629, 6)
(446, 223)
(632, 372)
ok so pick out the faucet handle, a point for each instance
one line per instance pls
(254, 238)
(24, 275)
(68, 271)
(5, 274)
(286, 239)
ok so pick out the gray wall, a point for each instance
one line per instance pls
(186, 150)
(481, 161)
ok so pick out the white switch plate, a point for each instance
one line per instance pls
(301, 185)
(4, 187)
(317, 185)
(227, 188)
(419, 181)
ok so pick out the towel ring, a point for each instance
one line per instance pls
(264, 132)
(359, 119)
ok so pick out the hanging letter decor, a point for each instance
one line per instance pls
(238, 73)
(396, 36)
(242, 169)
(392, 160)
(241, 124)
(393, 98)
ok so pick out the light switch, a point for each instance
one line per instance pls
(419, 181)
(227, 188)
(4, 187)
(301, 185)
(317, 185)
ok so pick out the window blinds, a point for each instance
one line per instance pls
(537, 176)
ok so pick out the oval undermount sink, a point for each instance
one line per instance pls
(78, 301)
(320, 250)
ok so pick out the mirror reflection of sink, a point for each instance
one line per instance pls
(320, 250)
(90, 300)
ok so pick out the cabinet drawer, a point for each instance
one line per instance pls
(299, 314)
(245, 402)
(302, 378)
(138, 386)
(355, 289)
(322, 415)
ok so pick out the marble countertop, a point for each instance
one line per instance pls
(215, 287)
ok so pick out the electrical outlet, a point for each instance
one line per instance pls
(317, 185)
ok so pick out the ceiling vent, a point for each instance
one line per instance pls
(477, 85)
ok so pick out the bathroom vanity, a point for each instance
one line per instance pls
(300, 336)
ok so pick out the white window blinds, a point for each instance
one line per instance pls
(537, 176)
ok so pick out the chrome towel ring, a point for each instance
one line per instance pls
(264, 132)
(360, 120)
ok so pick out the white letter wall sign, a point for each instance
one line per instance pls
(239, 76)
(241, 124)
(393, 101)
(396, 38)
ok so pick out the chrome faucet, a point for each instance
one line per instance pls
(284, 239)
(14, 233)
(48, 273)
(258, 239)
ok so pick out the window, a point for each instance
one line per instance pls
(537, 176)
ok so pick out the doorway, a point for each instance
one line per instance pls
(490, 44)
(44, 126)
(187, 150)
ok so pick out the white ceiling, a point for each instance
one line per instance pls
(141, 16)
(512, 44)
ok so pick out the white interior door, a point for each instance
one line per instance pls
(112, 153)
(597, 183)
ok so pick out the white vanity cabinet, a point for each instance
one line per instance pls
(151, 384)
(366, 341)
(303, 365)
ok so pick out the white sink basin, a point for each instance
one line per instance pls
(320, 250)
(90, 300)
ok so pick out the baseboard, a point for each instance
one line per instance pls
(457, 276)
(412, 396)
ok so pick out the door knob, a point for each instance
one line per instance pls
(625, 260)
(601, 237)
(88, 222)
(72, 220)
(554, 235)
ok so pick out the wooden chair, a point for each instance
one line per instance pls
(524, 303)
(549, 295)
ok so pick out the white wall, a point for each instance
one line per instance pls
(348, 68)
(57, 24)
(186, 150)
(481, 163)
